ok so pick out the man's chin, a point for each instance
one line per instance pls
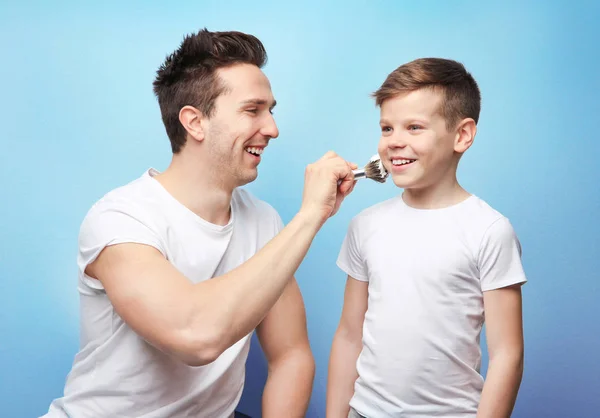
(247, 178)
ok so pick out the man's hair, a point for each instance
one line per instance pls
(188, 76)
(460, 94)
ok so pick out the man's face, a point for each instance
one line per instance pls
(415, 146)
(242, 124)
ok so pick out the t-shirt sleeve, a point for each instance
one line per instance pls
(350, 259)
(499, 257)
(110, 223)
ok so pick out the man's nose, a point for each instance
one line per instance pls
(270, 128)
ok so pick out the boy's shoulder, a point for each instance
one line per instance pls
(486, 225)
(477, 209)
(377, 210)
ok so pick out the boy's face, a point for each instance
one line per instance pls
(415, 146)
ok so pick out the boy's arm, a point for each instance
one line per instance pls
(346, 347)
(504, 333)
(284, 340)
(502, 275)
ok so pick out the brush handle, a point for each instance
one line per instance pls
(359, 173)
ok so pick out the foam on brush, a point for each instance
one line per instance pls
(374, 170)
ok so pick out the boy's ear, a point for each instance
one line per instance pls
(192, 121)
(465, 135)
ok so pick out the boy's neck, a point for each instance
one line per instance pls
(197, 189)
(436, 196)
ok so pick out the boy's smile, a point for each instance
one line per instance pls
(400, 164)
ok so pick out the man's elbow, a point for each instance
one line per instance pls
(199, 348)
(308, 362)
(301, 360)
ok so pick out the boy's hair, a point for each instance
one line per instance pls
(461, 96)
(188, 75)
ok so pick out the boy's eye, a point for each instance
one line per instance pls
(414, 127)
(386, 129)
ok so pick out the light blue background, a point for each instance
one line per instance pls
(78, 118)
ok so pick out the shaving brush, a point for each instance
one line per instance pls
(373, 170)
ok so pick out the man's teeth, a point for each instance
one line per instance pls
(402, 162)
(255, 151)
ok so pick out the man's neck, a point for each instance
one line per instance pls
(439, 195)
(192, 184)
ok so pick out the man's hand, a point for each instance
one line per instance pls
(326, 183)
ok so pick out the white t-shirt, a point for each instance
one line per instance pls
(427, 271)
(116, 373)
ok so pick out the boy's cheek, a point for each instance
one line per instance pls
(382, 149)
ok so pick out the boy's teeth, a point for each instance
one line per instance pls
(401, 162)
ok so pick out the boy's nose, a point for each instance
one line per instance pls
(397, 141)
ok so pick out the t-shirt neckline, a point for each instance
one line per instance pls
(443, 209)
(151, 172)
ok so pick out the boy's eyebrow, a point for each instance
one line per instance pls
(418, 118)
(259, 102)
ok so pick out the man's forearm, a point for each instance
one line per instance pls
(501, 386)
(289, 386)
(342, 375)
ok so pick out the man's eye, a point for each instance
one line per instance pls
(252, 110)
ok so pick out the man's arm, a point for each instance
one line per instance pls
(284, 340)
(504, 331)
(197, 322)
(346, 347)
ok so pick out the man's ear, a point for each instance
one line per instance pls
(191, 120)
(465, 135)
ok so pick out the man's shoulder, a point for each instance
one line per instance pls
(128, 199)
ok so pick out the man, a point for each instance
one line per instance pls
(176, 269)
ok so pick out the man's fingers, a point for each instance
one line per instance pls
(328, 156)
(346, 185)
(351, 187)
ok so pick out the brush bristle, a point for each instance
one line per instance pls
(374, 170)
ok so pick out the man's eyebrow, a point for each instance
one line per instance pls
(259, 102)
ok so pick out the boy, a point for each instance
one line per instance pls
(425, 268)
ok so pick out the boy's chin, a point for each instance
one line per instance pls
(403, 183)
